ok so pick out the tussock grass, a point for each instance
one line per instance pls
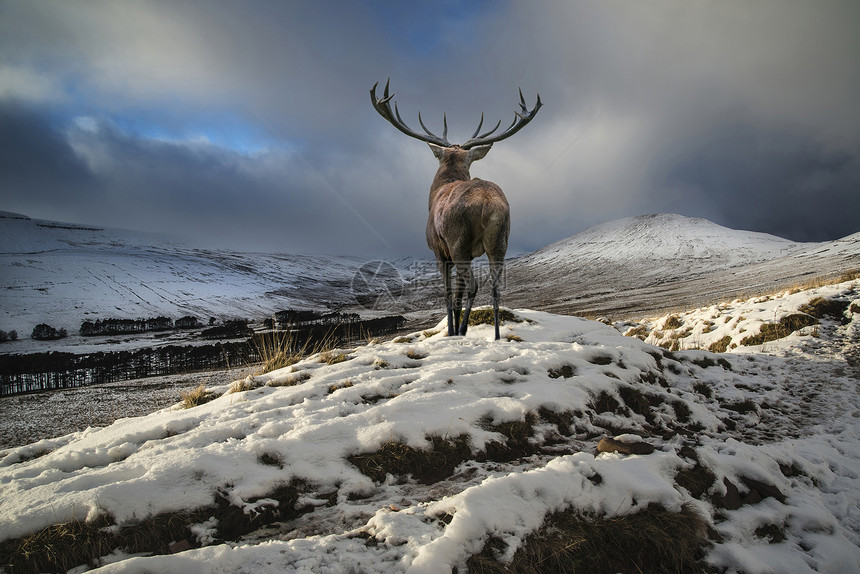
(241, 386)
(277, 349)
(63, 546)
(291, 381)
(416, 355)
(672, 322)
(513, 338)
(652, 540)
(484, 316)
(781, 329)
(196, 397)
(820, 307)
(332, 357)
(640, 332)
(344, 385)
(425, 466)
(517, 435)
(720, 346)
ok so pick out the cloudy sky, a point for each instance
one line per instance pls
(248, 125)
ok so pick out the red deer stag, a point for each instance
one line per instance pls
(468, 217)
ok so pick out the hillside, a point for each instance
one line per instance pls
(63, 274)
(429, 453)
(642, 265)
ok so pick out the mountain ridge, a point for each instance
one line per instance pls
(63, 274)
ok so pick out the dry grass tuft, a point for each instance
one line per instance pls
(425, 466)
(416, 355)
(242, 385)
(333, 357)
(196, 397)
(720, 346)
(277, 350)
(291, 381)
(820, 307)
(484, 316)
(652, 540)
(344, 385)
(781, 329)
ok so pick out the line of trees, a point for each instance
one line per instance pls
(130, 326)
(10, 336)
(22, 373)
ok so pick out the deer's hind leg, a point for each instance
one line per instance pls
(496, 268)
(445, 268)
(465, 282)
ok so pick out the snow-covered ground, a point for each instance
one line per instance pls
(774, 427)
(64, 274)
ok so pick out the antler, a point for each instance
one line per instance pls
(520, 120)
(383, 106)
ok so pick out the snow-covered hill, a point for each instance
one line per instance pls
(690, 245)
(649, 263)
(63, 274)
(414, 455)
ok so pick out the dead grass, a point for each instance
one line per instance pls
(277, 350)
(344, 385)
(290, 381)
(63, 546)
(416, 355)
(196, 397)
(241, 386)
(332, 357)
(652, 540)
(484, 316)
(640, 332)
(425, 466)
(820, 307)
(720, 346)
(779, 330)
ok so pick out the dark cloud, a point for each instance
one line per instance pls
(248, 124)
(38, 167)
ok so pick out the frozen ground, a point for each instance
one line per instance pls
(35, 416)
(775, 425)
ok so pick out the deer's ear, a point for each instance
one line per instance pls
(437, 150)
(479, 152)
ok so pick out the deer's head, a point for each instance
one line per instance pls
(457, 157)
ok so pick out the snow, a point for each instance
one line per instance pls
(667, 237)
(805, 417)
(63, 274)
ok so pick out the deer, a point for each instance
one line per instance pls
(467, 217)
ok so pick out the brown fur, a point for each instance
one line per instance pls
(468, 217)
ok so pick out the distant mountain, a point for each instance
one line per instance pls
(62, 274)
(698, 243)
(656, 262)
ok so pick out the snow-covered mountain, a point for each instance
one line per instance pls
(659, 238)
(63, 274)
(653, 262)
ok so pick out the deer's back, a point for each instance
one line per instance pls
(465, 216)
